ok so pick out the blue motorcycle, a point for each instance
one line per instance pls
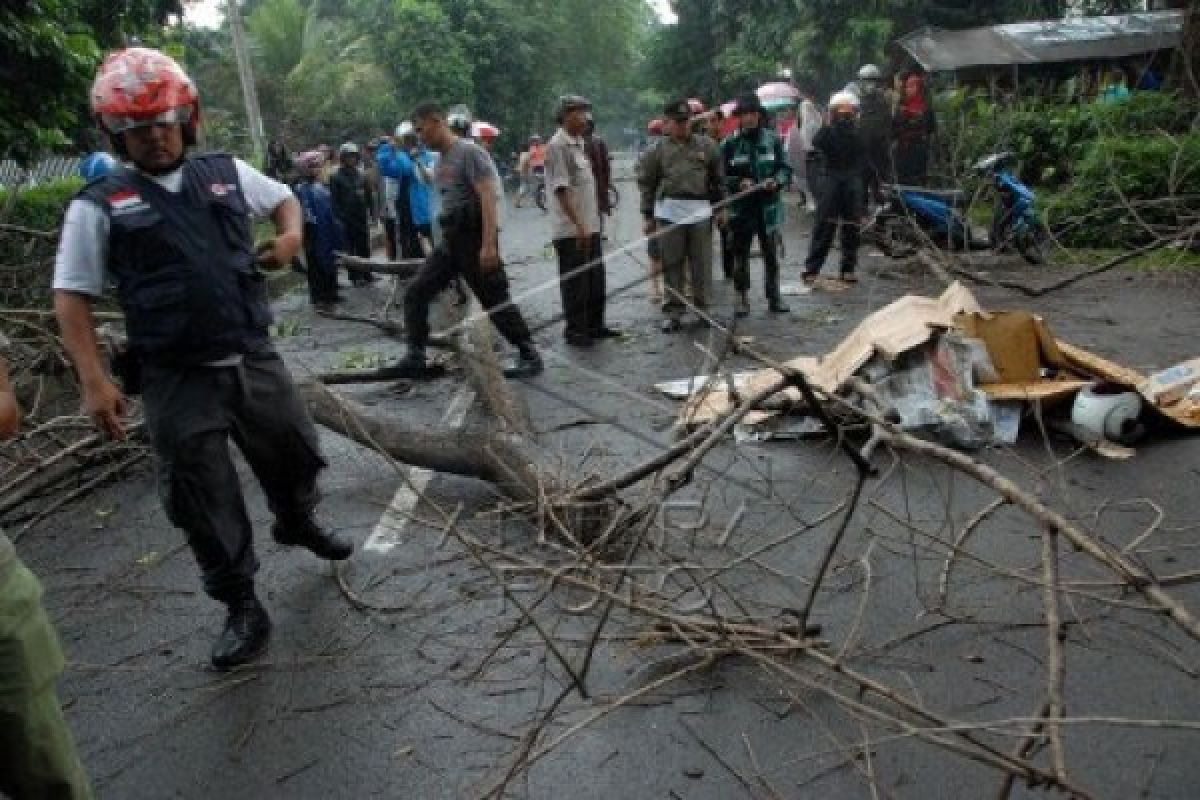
(1015, 218)
(913, 216)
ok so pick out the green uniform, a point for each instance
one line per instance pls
(758, 161)
(39, 757)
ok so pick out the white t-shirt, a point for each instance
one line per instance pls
(83, 246)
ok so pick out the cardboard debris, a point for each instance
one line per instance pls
(890, 331)
(1028, 364)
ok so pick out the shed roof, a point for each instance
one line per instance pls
(1073, 39)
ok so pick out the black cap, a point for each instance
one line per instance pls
(572, 102)
(749, 103)
(677, 109)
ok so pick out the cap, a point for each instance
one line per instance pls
(348, 149)
(749, 103)
(573, 102)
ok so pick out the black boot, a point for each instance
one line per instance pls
(247, 629)
(526, 365)
(415, 367)
(305, 532)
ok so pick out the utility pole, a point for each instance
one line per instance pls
(246, 74)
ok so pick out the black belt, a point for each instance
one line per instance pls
(686, 197)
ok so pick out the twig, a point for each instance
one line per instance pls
(1056, 664)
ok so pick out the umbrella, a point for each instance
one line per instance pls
(484, 130)
(777, 95)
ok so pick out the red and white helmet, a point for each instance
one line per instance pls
(140, 86)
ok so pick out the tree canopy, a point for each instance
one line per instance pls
(720, 47)
(49, 50)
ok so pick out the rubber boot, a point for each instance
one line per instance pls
(247, 629)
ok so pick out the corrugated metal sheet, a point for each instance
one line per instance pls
(1075, 39)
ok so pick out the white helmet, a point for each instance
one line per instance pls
(459, 118)
(844, 101)
(348, 149)
(405, 129)
(870, 72)
(1107, 411)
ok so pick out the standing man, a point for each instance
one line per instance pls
(875, 110)
(756, 169)
(841, 200)
(321, 235)
(173, 233)
(352, 201)
(571, 186)
(40, 759)
(680, 179)
(470, 248)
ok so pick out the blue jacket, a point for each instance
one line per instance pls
(399, 165)
(322, 232)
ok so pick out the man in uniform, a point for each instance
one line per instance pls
(875, 125)
(680, 180)
(469, 247)
(756, 169)
(173, 233)
(40, 760)
(571, 184)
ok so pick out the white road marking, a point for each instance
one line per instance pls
(392, 523)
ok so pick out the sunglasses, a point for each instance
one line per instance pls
(121, 123)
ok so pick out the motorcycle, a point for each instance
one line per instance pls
(1015, 218)
(912, 216)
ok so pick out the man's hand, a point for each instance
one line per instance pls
(722, 218)
(104, 403)
(583, 237)
(746, 185)
(648, 227)
(771, 185)
(278, 252)
(10, 414)
(489, 257)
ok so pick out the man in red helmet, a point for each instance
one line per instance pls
(173, 234)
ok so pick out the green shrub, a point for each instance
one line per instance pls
(26, 262)
(1128, 189)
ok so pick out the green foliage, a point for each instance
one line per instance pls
(60, 42)
(25, 279)
(1128, 189)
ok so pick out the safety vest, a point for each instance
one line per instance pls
(184, 263)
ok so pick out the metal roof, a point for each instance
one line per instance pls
(1073, 39)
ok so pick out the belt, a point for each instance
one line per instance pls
(686, 197)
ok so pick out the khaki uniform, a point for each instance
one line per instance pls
(679, 181)
(39, 757)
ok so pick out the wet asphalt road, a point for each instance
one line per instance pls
(385, 703)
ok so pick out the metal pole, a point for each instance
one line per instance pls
(246, 74)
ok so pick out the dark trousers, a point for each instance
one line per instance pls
(191, 414)
(458, 255)
(878, 169)
(743, 232)
(389, 237)
(321, 275)
(581, 280)
(841, 199)
(728, 262)
(358, 238)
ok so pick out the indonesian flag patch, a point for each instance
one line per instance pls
(126, 201)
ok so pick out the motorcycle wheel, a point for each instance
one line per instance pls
(540, 196)
(890, 237)
(1033, 243)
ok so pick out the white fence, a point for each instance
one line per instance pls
(11, 174)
